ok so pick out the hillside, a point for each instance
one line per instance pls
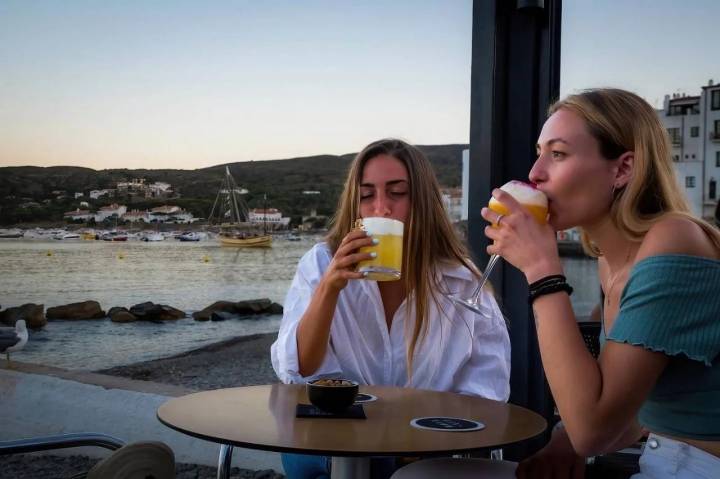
(31, 193)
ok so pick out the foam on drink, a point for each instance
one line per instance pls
(527, 195)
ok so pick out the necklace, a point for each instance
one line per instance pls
(614, 278)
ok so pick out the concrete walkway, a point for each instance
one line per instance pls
(42, 401)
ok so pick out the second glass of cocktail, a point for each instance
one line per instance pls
(387, 264)
(535, 202)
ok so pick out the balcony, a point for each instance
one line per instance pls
(677, 141)
(715, 136)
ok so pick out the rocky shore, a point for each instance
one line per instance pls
(240, 361)
(36, 317)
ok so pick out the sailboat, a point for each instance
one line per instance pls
(235, 230)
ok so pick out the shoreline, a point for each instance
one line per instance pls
(237, 361)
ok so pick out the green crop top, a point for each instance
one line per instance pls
(671, 304)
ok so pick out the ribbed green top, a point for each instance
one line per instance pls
(671, 304)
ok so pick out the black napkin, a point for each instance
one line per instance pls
(355, 411)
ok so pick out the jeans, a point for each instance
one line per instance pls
(666, 458)
(303, 466)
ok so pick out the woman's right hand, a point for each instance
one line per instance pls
(556, 460)
(342, 267)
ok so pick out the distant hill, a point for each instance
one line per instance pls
(283, 181)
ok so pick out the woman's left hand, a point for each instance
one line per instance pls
(521, 240)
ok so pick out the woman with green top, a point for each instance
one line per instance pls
(604, 163)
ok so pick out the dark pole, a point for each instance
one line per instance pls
(515, 76)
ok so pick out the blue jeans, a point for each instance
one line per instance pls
(302, 466)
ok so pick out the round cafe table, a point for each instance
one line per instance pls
(263, 417)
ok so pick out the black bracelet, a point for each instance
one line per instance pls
(549, 288)
(553, 278)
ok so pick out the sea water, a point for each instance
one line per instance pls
(187, 276)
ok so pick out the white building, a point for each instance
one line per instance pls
(271, 216)
(109, 211)
(95, 194)
(136, 215)
(453, 200)
(693, 124)
(78, 214)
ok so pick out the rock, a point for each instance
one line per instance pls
(156, 312)
(252, 306)
(33, 314)
(116, 309)
(83, 310)
(121, 315)
(241, 308)
(275, 308)
(221, 316)
(206, 313)
(202, 315)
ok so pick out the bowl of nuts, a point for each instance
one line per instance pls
(332, 395)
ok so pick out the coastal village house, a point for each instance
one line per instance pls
(113, 210)
(137, 188)
(453, 201)
(78, 215)
(272, 217)
(693, 124)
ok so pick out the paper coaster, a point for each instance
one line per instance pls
(450, 424)
(362, 397)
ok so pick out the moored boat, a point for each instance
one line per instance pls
(239, 231)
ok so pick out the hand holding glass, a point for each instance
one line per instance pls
(532, 200)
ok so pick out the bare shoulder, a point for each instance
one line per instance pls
(677, 235)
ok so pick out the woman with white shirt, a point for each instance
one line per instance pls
(401, 333)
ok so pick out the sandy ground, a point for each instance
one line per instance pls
(241, 361)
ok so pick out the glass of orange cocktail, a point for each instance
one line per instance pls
(387, 264)
(535, 202)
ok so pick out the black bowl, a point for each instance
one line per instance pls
(332, 398)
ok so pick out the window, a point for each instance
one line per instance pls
(694, 131)
(674, 134)
(717, 159)
(711, 189)
(689, 182)
(717, 128)
(715, 100)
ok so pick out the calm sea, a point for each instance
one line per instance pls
(188, 276)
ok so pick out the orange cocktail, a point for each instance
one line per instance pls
(387, 265)
(528, 196)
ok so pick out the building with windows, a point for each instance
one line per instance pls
(272, 217)
(693, 124)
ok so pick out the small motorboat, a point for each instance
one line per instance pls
(189, 236)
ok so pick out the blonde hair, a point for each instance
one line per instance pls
(621, 121)
(429, 236)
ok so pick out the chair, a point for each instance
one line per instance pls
(139, 460)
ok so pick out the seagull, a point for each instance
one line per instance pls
(13, 339)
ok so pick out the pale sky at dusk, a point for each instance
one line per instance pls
(189, 84)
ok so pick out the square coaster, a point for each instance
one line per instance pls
(355, 411)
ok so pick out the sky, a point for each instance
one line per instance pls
(189, 84)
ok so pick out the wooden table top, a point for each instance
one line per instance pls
(263, 417)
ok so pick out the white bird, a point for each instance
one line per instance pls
(13, 339)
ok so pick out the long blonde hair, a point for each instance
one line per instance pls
(621, 121)
(429, 236)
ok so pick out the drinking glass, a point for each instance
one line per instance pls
(387, 264)
(532, 200)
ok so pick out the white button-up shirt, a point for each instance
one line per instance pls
(461, 352)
